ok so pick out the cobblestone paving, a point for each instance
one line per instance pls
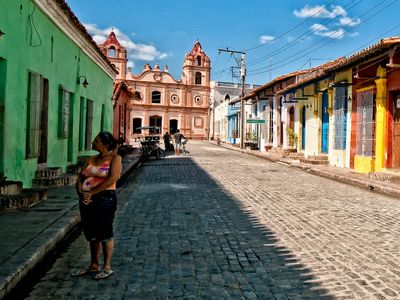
(218, 224)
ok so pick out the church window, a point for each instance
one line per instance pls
(156, 97)
(111, 52)
(197, 79)
(199, 60)
(137, 125)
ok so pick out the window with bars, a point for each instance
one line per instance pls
(35, 95)
(63, 112)
(365, 126)
(340, 113)
(89, 121)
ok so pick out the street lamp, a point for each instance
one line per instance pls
(85, 83)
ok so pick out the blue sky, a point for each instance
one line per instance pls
(278, 36)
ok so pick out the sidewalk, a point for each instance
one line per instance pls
(343, 175)
(28, 235)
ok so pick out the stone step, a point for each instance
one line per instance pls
(26, 198)
(318, 157)
(296, 156)
(10, 188)
(314, 161)
(49, 172)
(63, 180)
(383, 176)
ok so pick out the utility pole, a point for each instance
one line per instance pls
(242, 63)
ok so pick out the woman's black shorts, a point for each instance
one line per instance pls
(98, 216)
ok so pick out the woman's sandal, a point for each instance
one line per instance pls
(83, 272)
(104, 274)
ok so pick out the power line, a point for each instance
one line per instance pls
(328, 36)
(290, 30)
(301, 37)
(265, 69)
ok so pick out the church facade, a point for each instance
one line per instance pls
(161, 103)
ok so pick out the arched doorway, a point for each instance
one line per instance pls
(173, 126)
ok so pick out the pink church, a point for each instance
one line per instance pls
(159, 100)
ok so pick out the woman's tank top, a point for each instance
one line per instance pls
(94, 175)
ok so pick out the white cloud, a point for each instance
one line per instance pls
(347, 21)
(320, 11)
(318, 27)
(334, 12)
(135, 51)
(290, 39)
(322, 30)
(266, 39)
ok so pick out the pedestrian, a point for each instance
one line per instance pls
(167, 142)
(178, 141)
(96, 187)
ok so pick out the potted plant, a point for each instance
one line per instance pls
(293, 137)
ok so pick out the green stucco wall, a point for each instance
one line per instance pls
(33, 43)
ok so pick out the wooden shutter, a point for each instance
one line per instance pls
(35, 95)
(89, 122)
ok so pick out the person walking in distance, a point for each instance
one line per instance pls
(178, 141)
(96, 187)
(167, 142)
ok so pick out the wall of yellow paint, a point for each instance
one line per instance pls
(380, 126)
(364, 164)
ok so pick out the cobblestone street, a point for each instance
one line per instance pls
(218, 224)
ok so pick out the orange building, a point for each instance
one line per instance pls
(161, 101)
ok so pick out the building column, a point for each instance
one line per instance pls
(380, 128)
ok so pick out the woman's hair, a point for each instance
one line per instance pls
(108, 140)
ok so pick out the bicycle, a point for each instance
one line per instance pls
(183, 143)
(151, 148)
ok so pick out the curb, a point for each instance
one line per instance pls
(71, 220)
(35, 258)
(364, 184)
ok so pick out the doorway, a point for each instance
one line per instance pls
(44, 107)
(156, 122)
(325, 123)
(291, 118)
(303, 128)
(3, 77)
(396, 130)
(173, 126)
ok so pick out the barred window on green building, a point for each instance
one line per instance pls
(35, 95)
(64, 111)
(89, 122)
(340, 114)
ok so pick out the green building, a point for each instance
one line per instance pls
(55, 88)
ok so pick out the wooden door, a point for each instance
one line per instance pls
(396, 131)
(303, 128)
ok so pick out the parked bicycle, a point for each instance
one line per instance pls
(151, 148)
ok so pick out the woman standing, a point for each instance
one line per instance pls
(96, 187)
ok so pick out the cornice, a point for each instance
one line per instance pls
(59, 17)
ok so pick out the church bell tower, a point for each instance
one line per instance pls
(116, 53)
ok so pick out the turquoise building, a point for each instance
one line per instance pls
(55, 88)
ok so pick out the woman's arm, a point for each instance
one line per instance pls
(80, 179)
(115, 173)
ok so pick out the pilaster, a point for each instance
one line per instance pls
(380, 128)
